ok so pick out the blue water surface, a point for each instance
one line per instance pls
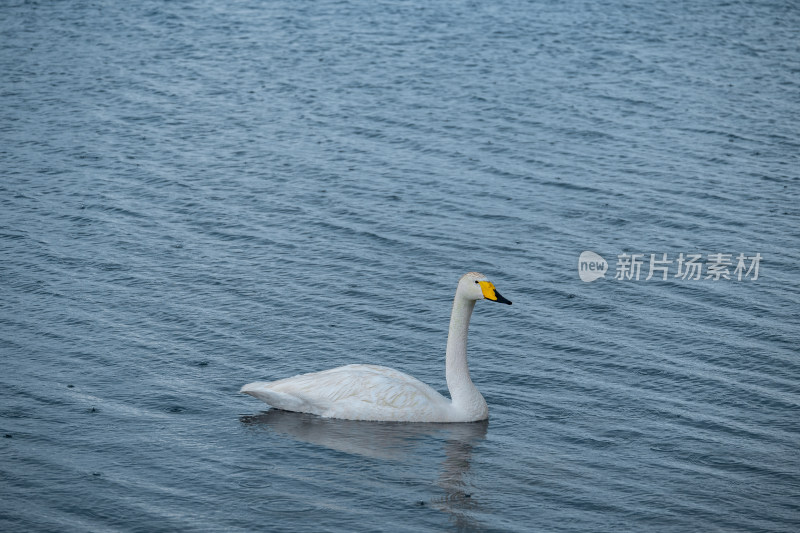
(195, 195)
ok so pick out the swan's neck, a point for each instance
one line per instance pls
(466, 397)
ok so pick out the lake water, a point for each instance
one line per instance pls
(199, 194)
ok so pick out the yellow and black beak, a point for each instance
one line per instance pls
(490, 293)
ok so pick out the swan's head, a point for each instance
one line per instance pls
(475, 286)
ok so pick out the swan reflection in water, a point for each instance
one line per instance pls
(392, 441)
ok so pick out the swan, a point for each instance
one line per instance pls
(379, 393)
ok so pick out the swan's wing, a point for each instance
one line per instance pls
(356, 392)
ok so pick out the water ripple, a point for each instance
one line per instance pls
(199, 195)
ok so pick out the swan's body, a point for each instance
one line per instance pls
(369, 392)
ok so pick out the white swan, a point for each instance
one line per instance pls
(369, 392)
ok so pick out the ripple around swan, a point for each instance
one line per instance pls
(198, 195)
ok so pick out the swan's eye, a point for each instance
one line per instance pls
(476, 281)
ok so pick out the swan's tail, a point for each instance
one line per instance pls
(279, 400)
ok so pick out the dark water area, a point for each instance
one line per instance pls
(196, 195)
